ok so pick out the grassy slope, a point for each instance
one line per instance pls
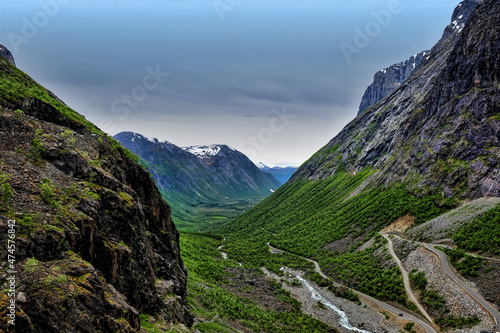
(15, 86)
(482, 234)
(309, 215)
(194, 212)
(217, 306)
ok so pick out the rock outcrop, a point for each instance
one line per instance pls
(389, 79)
(95, 241)
(4, 52)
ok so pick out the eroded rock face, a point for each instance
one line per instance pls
(391, 78)
(93, 232)
(4, 52)
(440, 130)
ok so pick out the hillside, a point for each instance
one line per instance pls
(203, 183)
(421, 151)
(92, 245)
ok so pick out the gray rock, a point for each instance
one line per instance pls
(4, 52)
(389, 79)
(439, 131)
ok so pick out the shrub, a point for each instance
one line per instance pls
(30, 265)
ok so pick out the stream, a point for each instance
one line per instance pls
(224, 254)
(344, 320)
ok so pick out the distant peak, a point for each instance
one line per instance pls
(133, 136)
(261, 165)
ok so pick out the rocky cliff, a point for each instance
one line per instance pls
(389, 79)
(4, 52)
(439, 131)
(95, 242)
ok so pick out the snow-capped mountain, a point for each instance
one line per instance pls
(204, 151)
(196, 175)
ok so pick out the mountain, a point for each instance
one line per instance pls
(199, 175)
(4, 52)
(283, 174)
(92, 244)
(422, 151)
(389, 79)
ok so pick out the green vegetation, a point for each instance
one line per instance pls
(409, 328)
(48, 194)
(30, 265)
(457, 322)
(465, 264)
(482, 234)
(69, 136)
(15, 86)
(435, 304)
(116, 146)
(209, 298)
(6, 194)
(309, 216)
(37, 148)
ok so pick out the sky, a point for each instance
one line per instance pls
(276, 79)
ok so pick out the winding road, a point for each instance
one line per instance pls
(443, 258)
(401, 314)
(445, 265)
(406, 278)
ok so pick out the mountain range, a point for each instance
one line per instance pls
(283, 174)
(385, 228)
(199, 176)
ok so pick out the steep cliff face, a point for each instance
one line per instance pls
(389, 79)
(440, 130)
(95, 244)
(4, 52)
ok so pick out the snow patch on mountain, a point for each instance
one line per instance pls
(205, 151)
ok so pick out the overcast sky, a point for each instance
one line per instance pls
(276, 79)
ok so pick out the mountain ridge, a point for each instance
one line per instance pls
(420, 152)
(389, 79)
(387, 126)
(216, 174)
(95, 241)
(283, 174)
